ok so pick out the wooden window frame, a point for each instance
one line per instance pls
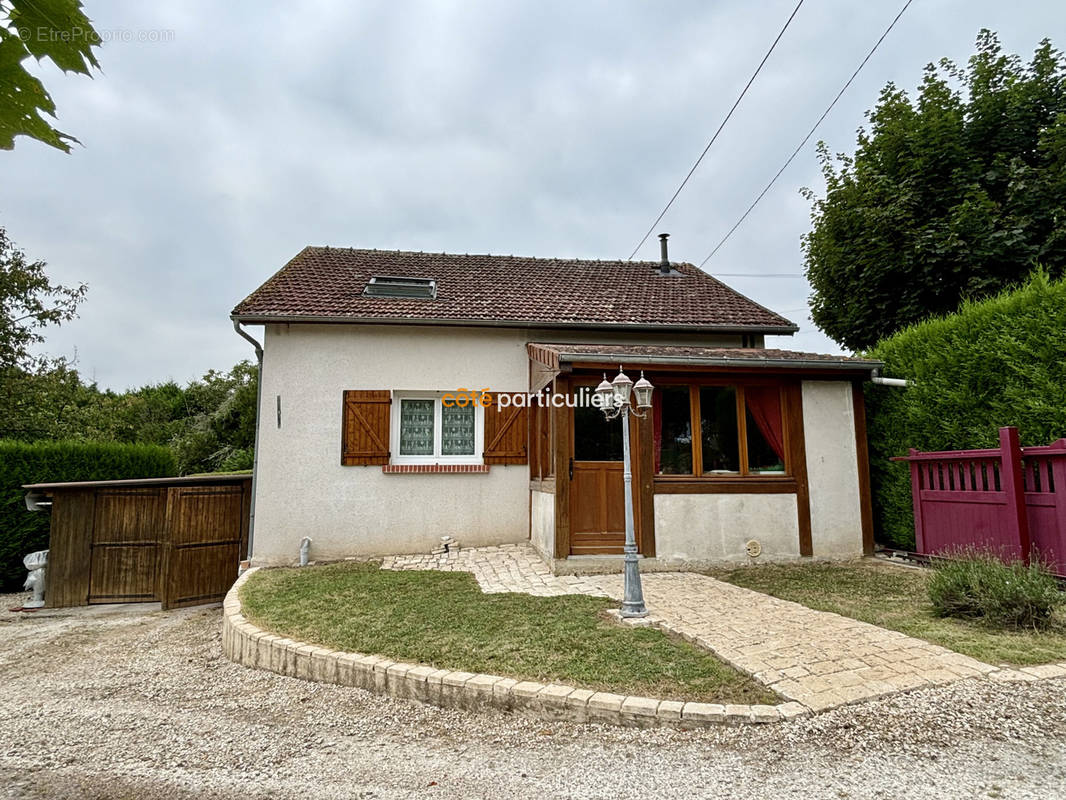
(694, 385)
(437, 457)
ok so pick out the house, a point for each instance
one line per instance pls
(374, 437)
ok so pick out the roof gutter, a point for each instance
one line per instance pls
(252, 319)
(723, 361)
(258, 415)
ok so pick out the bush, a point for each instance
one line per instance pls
(993, 363)
(978, 586)
(22, 531)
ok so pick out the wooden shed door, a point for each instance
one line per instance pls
(128, 531)
(205, 526)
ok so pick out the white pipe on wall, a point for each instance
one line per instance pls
(901, 382)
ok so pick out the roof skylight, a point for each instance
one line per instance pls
(399, 286)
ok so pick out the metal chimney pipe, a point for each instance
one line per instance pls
(664, 257)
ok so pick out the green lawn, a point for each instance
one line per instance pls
(896, 598)
(442, 619)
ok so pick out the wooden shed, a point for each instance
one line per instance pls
(178, 541)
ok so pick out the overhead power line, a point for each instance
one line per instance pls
(743, 92)
(759, 274)
(810, 133)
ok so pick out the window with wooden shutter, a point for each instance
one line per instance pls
(435, 428)
(506, 430)
(365, 437)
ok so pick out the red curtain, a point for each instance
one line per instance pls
(764, 403)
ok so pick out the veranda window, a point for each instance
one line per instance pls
(719, 430)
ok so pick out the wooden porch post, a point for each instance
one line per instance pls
(798, 458)
(645, 458)
(561, 454)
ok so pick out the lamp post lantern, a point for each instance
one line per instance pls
(617, 400)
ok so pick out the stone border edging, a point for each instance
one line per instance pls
(255, 648)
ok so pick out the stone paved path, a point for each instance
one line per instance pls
(816, 658)
(503, 568)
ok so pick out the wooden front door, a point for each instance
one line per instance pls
(597, 511)
(128, 531)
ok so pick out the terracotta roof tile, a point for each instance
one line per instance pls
(327, 283)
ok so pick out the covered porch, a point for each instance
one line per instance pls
(747, 454)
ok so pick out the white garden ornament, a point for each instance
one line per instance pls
(35, 563)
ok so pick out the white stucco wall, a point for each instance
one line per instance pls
(697, 528)
(832, 469)
(301, 487)
(542, 523)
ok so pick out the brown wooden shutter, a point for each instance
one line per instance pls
(506, 431)
(365, 437)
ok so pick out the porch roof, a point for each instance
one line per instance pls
(556, 358)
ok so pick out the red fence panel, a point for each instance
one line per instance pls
(1010, 500)
(1045, 500)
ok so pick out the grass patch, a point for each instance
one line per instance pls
(442, 619)
(898, 599)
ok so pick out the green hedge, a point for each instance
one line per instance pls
(996, 362)
(22, 531)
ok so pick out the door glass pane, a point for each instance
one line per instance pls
(718, 428)
(673, 431)
(416, 427)
(457, 431)
(595, 437)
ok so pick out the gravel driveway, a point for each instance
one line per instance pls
(135, 703)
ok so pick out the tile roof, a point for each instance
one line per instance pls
(324, 283)
(552, 354)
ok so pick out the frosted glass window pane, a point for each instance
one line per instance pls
(457, 431)
(416, 427)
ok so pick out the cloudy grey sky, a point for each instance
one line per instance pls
(533, 128)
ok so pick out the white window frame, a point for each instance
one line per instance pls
(477, 457)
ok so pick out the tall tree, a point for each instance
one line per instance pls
(956, 195)
(29, 301)
(219, 429)
(54, 29)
